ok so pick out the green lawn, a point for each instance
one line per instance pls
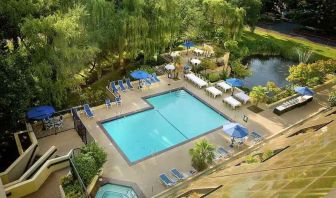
(288, 41)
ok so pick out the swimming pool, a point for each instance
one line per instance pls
(176, 117)
(115, 191)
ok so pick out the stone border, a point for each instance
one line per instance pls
(100, 124)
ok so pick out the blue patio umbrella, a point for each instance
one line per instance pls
(139, 74)
(235, 130)
(40, 112)
(188, 44)
(235, 82)
(304, 91)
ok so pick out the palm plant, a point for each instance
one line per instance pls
(202, 154)
(258, 94)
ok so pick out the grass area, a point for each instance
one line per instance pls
(288, 41)
(103, 81)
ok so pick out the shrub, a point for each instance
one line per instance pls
(267, 154)
(71, 187)
(96, 152)
(332, 99)
(214, 77)
(148, 69)
(251, 159)
(86, 166)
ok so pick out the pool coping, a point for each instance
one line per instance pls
(134, 186)
(100, 124)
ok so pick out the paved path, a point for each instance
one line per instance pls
(288, 29)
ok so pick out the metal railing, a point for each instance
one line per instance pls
(75, 173)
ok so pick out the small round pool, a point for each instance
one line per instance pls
(268, 68)
(115, 191)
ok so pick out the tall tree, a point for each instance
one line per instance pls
(57, 46)
(252, 8)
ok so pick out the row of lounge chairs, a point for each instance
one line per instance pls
(196, 80)
(147, 82)
(114, 88)
(108, 104)
(178, 176)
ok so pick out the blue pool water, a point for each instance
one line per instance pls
(177, 117)
(115, 191)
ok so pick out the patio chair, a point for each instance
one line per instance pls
(121, 85)
(223, 152)
(59, 123)
(155, 77)
(129, 84)
(88, 111)
(118, 100)
(148, 82)
(152, 80)
(256, 136)
(178, 174)
(113, 87)
(166, 180)
(48, 123)
(108, 103)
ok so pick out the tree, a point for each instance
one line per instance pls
(258, 94)
(57, 46)
(239, 70)
(202, 154)
(311, 74)
(252, 8)
(17, 89)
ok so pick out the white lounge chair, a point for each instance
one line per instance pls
(196, 80)
(213, 91)
(232, 102)
(223, 85)
(242, 97)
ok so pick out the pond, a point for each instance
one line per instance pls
(268, 68)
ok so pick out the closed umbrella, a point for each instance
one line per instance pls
(305, 91)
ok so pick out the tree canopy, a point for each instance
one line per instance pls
(47, 46)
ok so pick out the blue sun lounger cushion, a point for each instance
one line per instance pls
(113, 87)
(166, 180)
(129, 84)
(121, 85)
(88, 111)
(178, 174)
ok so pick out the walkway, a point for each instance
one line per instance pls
(50, 188)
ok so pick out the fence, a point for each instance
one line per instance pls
(71, 121)
(41, 131)
(75, 173)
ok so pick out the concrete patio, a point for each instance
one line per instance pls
(145, 173)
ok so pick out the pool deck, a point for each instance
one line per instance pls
(145, 173)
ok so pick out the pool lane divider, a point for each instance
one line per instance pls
(171, 124)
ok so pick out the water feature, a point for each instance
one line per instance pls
(268, 68)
